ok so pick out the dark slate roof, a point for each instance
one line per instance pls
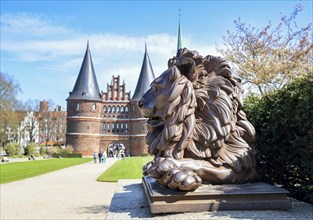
(86, 86)
(145, 78)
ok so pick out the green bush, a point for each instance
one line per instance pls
(20, 150)
(11, 149)
(30, 149)
(52, 150)
(284, 137)
(57, 145)
(66, 155)
(66, 150)
(42, 150)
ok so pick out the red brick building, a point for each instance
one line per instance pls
(97, 120)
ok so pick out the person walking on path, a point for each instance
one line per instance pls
(95, 157)
(104, 157)
(100, 156)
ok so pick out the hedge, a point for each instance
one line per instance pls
(73, 155)
(284, 137)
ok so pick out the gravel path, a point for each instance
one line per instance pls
(70, 193)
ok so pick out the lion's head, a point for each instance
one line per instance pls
(195, 110)
(170, 105)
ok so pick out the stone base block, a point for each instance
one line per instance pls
(249, 196)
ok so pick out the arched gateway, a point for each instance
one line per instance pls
(115, 149)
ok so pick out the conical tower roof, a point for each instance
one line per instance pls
(145, 78)
(86, 86)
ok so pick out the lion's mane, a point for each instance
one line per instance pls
(171, 139)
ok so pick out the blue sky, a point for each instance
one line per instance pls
(43, 42)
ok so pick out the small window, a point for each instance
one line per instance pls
(126, 109)
(94, 106)
(118, 109)
(77, 106)
(104, 109)
(113, 109)
(109, 109)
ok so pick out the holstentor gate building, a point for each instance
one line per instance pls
(96, 120)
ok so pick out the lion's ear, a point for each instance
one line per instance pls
(171, 62)
(187, 67)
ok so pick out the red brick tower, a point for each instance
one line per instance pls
(83, 110)
(138, 128)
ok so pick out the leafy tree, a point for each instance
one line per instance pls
(9, 89)
(266, 58)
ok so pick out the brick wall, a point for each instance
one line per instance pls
(86, 145)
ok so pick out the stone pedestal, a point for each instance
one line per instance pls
(249, 196)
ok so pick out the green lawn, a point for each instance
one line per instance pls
(129, 168)
(22, 170)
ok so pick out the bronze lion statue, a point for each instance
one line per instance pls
(197, 129)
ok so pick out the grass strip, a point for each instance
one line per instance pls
(22, 170)
(129, 168)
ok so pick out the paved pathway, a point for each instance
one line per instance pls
(70, 193)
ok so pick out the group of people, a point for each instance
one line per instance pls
(102, 157)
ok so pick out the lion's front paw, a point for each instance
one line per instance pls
(166, 165)
(182, 179)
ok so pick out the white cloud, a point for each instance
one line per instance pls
(57, 51)
(22, 23)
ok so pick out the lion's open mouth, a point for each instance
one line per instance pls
(155, 121)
